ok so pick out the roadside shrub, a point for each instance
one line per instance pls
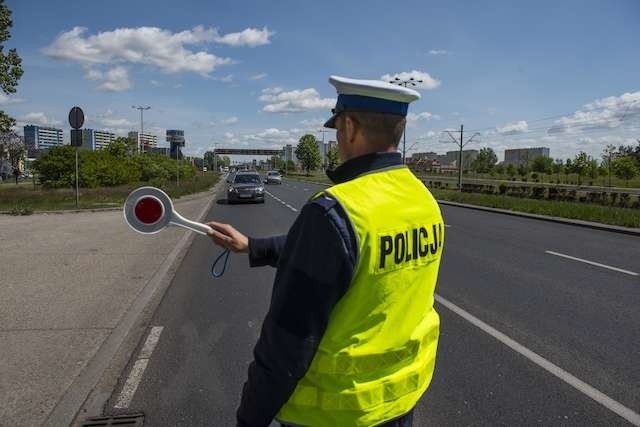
(537, 192)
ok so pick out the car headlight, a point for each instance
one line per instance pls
(259, 189)
(232, 190)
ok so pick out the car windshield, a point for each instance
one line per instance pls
(247, 179)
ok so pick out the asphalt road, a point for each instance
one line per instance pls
(581, 317)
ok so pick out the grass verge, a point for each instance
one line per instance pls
(587, 212)
(571, 210)
(24, 200)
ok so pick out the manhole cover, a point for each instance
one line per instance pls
(116, 420)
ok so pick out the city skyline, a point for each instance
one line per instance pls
(251, 77)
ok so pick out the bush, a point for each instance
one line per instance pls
(107, 168)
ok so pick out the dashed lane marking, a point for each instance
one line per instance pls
(135, 376)
(597, 264)
(282, 201)
(590, 391)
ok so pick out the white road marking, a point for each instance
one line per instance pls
(150, 343)
(282, 201)
(135, 376)
(447, 225)
(581, 386)
(597, 264)
(130, 387)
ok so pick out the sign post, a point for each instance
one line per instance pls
(76, 120)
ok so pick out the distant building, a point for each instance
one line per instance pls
(430, 155)
(147, 140)
(332, 144)
(165, 151)
(175, 138)
(38, 138)
(451, 158)
(523, 156)
(288, 153)
(96, 139)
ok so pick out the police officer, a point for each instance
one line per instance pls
(351, 334)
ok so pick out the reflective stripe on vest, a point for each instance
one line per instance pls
(377, 355)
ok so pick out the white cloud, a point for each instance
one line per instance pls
(6, 99)
(228, 135)
(513, 128)
(39, 118)
(155, 83)
(143, 45)
(428, 82)
(251, 37)
(414, 117)
(313, 123)
(258, 76)
(115, 80)
(438, 52)
(606, 113)
(229, 121)
(295, 101)
(227, 79)
(177, 86)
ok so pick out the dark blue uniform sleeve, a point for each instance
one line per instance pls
(265, 250)
(314, 271)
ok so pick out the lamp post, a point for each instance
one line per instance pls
(141, 108)
(404, 82)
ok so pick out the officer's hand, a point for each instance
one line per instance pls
(228, 237)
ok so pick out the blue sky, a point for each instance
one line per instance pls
(254, 74)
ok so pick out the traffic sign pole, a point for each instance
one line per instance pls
(76, 120)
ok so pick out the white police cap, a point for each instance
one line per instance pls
(373, 96)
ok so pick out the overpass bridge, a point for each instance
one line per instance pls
(248, 151)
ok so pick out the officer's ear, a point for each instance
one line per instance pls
(351, 126)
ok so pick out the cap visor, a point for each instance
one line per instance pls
(331, 123)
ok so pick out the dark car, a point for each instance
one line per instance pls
(245, 187)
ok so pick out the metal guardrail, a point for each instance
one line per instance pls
(497, 183)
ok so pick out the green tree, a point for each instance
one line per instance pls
(558, 168)
(119, 147)
(333, 160)
(523, 170)
(308, 153)
(12, 147)
(485, 161)
(581, 165)
(10, 65)
(625, 168)
(511, 170)
(57, 167)
(608, 155)
(499, 168)
(542, 164)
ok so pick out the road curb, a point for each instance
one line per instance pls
(92, 388)
(567, 221)
(576, 222)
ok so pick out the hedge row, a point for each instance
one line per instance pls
(623, 200)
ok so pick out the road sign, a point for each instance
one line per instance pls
(76, 118)
(76, 137)
(148, 210)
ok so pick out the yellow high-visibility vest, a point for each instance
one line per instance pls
(378, 352)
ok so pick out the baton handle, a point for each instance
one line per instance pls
(181, 221)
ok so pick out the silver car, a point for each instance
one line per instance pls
(273, 177)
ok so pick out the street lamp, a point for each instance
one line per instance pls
(404, 82)
(141, 108)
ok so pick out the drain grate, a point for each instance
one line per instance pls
(136, 420)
